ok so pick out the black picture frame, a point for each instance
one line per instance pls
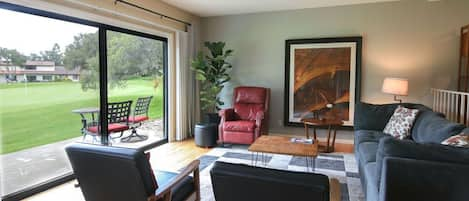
(358, 62)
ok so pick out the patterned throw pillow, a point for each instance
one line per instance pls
(460, 140)
(401, 122)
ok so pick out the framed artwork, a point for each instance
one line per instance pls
(322, 79)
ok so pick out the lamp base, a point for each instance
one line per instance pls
(396, 99)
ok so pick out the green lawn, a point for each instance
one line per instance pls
(40, 113)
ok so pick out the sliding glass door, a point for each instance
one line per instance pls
(57, 74)
(136, 73)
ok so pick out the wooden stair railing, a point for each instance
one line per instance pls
(453, 104)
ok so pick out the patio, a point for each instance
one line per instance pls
(28, 167)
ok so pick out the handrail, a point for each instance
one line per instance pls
(453, 104)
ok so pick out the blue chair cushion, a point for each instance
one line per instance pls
(179, 192)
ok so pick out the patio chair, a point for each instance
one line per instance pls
(139, 115)
(118, 120)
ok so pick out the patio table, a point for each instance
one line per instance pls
(83, 113)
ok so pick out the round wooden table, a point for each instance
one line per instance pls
(331, 125)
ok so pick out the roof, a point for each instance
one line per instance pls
(59, 70)
(39, 63)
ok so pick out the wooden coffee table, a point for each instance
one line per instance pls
(331, 124)
(283, 145)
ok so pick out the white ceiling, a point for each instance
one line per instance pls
(206, 8)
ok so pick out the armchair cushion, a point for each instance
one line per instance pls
(241, 126)
(179, 192)
(250, 95)
(247, 111)
(137, 119)
(111, 128)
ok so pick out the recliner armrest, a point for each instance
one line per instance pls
(412, 180)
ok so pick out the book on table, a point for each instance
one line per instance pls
(302, 140)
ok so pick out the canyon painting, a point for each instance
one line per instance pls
(321, 79)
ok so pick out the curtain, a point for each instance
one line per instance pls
(185, 85)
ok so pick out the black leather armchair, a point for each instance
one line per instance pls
(121, 174)
(235, 182)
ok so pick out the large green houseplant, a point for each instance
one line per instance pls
(212, 72)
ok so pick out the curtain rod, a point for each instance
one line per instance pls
(153, 12)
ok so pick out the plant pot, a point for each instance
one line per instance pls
(212, 118)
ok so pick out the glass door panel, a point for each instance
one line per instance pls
(136, 75)
(48, 79)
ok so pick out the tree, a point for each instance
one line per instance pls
(54, 55)
(127, 56)
(83, 54)
(34, 57)
(213, 72)
(11, 57)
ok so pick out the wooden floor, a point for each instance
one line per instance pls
(170, 156)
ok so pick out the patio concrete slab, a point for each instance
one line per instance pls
(29, 167)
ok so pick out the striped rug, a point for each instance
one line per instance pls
(336, 165)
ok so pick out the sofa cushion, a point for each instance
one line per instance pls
(390, 147)
(241, 126)
(367, 151)
(432, 127)
(400, 123)
(372, 185)
(375, 117)
(366, 136)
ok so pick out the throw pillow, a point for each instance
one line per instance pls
(460, 140)
(400, 123)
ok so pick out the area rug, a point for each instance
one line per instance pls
(336, 165)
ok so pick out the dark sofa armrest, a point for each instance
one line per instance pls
(414, 180)
(390, 147)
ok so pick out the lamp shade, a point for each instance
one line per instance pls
(396, 86)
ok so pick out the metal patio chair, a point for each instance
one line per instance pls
(139, 115)
(118, 120)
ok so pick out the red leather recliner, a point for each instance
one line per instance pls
(248, 118)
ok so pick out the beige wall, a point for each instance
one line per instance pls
(415, 39)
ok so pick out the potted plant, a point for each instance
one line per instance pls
(212, 71)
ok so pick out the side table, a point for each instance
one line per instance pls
(206, 134)
(331, 124)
